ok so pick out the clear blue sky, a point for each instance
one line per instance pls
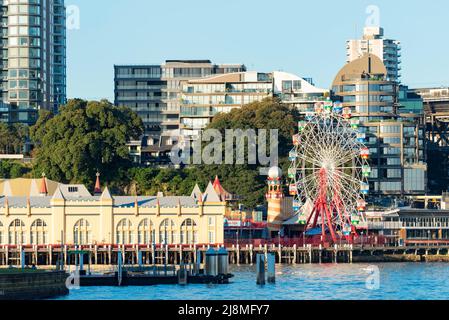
(303, 37)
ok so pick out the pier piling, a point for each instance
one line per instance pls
(260, 269)
(271, 274)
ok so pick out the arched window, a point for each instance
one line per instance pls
(82, 232)
(167, 232)
(38, 232)
(124, 232)
(17, 232)
(189, 232)
(146, 232)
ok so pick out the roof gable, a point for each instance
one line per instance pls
(210, 195)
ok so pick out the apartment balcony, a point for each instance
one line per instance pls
(198, 115)
(167, 112)
(169, 122)
(136, 88)
(137, 76)
(385, 225)
(189, 127)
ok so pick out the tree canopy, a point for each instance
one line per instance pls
(172, 182)
(13, 138)
(12, 169)
(89, 136)
(246, 180)
(85, 136)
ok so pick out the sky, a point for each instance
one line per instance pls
(304, 37)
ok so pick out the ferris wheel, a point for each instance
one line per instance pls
(329, 172)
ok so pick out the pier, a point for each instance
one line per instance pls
(133, 255)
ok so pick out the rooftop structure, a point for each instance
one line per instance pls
(38, 187)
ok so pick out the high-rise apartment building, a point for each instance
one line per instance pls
(389, 51)
(33, 58)
(203, 99)
(392, 125)
(153, 91)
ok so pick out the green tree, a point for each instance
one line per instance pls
(13, 138)
(84, 137)
(173, 182)
(12, 169)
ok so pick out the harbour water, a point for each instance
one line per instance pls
(392, 281)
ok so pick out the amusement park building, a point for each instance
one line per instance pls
(396, 140)
(73, 217)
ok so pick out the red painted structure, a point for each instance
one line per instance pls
(329, 210)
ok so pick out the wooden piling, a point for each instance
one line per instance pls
(295, 254)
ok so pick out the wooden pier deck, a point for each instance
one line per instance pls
(238, 255)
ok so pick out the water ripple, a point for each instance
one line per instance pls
(411, 281)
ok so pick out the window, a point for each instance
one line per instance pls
(73, 189)
(124, 232)
(189, 232)
(390, 129)
(287, 86)
(167, 232)
(82, 233)
(349, 88)
(38, 232)
(17, 232)
(1, 232)
(297, 85)
(414, 180)
(146, 232)
(394, 173)
(211, 237)
(392, 140)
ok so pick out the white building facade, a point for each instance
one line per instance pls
(386, 49)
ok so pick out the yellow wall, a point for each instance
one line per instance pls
(103, 219)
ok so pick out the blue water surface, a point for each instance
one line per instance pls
(393, 281)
